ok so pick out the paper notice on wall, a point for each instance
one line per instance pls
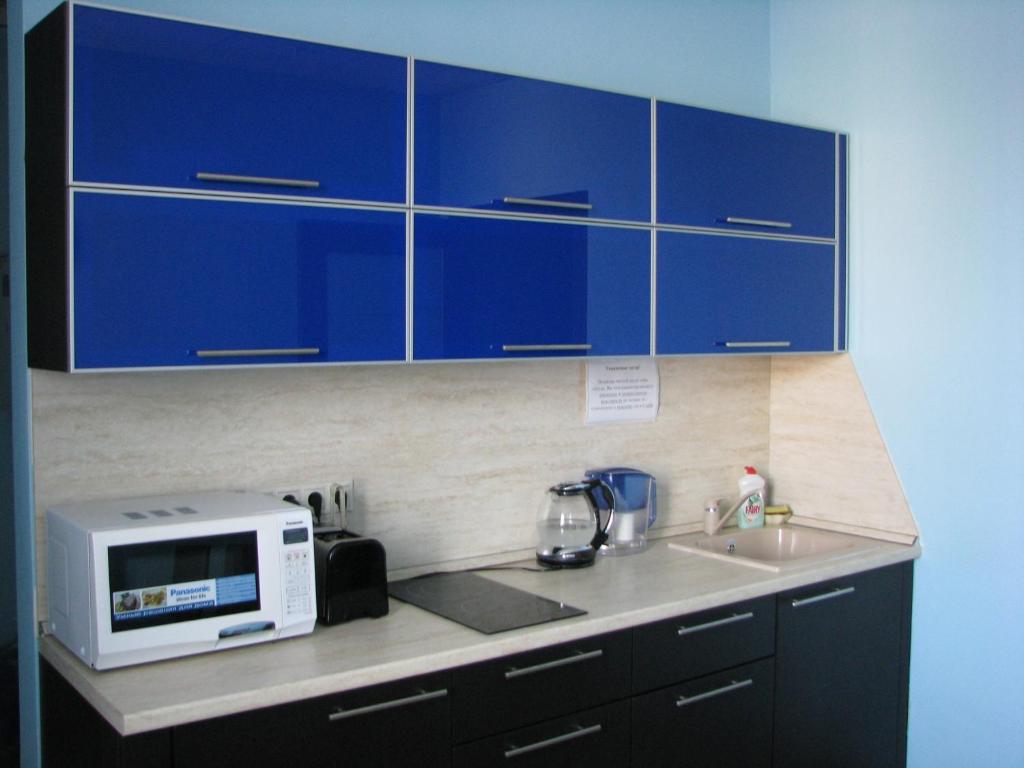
(624, 390)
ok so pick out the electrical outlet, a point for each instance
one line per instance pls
(331, 500)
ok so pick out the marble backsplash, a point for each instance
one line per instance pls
(449, 461)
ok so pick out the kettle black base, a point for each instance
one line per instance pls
(567, 557)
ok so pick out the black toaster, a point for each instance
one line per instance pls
(351, 577)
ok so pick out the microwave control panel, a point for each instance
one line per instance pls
(298, 572)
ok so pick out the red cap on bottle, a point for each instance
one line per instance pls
(750, 470)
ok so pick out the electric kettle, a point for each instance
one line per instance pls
(569, 529)
(636, 508)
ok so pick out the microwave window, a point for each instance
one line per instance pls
(164, 582)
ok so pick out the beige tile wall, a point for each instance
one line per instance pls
(449, 461)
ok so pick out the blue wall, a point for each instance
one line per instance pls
(933, 97)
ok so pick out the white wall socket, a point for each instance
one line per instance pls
(335, 500)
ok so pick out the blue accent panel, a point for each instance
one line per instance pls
(482, 283)
(712, 165)
(156, 101)
(482, 136)
(842, 235)
(714, 289)
(157, 278)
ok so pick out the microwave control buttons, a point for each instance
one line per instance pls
(296, 582)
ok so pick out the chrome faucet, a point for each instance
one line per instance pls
(725, 518)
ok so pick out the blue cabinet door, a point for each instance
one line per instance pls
(730, 294)
(486, 288)
(162, 281)
(486, 140)
(160, 103)
(725, 171)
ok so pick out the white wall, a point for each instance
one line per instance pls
(932, 94)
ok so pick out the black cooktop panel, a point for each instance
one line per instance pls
(479, 603)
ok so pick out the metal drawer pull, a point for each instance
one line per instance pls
(270, 352)
(575, 659)
(545, 347)
(719, 623)
(734, 686)
(547, 203)
(231, 178)
(755, 344)
(579, 733)
(342, 714)
(758, 222)
(837, 592)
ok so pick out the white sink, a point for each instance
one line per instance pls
(775, 548)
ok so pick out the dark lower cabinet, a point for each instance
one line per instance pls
(596, 737)
(815, 677)
(395, 725)
(842, 658)
(717, 721)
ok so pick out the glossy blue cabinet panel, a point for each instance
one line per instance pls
(842, 310)
(713, 166)
(481, 137)
(158, 101)
(481, 284)
(158, 279)
(714, 290)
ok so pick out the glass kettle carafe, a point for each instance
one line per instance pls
(569, 529)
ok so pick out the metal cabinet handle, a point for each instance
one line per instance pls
(758, 222)
(733, 686)
(718, 623)
(269, 352)
(547, 203)
(233, 178)
(837, 592)
(574, 659)
(545, 347)
(343, 714)
(753, 344)
(579, 733)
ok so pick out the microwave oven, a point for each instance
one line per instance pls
(143, 579)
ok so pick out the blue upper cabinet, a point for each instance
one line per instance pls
(171, 281)
(503, 143)
(162, 103)
(504, 288)
(730, 294)
(744, 174)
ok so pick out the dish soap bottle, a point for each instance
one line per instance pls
(751, 514)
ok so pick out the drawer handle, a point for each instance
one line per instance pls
(574, 659)
(837, 592)
(579, 733)
(718, 623)
(547, 203)
(733, 686)
(758, 222)
(343, 714)
(232, 178)
(545, 347)
(269, 352)
(753, 344)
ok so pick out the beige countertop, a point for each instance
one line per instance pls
(616, 593)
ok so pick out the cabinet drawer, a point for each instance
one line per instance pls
(489, 288)
(161, 103)
(493, 141)
(405, 723)
(184, 282)
(595, 737)
(507, 693)
(725, 171)
(717, 721)
(724, 295)
(700, 643)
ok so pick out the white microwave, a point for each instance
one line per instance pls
(137, 580)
